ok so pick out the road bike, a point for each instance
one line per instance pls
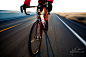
(35, 36)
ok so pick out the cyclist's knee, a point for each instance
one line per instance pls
(45, 10)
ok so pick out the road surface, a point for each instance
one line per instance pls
(59, 41)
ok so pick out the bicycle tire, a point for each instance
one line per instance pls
(32, 39)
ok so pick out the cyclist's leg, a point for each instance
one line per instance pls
(45, 14)
(49, 8)
(46, 17)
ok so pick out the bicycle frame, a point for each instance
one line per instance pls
(39, 19)
(38, 25)
(40, 22)
(41, 26)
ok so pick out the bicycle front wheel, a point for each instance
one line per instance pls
(34, 39)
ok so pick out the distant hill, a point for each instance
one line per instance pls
(9, 11)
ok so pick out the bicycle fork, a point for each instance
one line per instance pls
(40, 31)
(39, 21)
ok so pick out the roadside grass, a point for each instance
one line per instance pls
(79, 17)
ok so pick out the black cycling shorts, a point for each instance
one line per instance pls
(41, 6)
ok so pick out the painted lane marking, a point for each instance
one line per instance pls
(4, 29)
(10, 27)
(80, 38)
(7, 28)
(13, 26)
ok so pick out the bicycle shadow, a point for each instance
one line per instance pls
(47, 41)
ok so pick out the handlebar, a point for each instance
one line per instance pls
(48, 7)
(21, 8)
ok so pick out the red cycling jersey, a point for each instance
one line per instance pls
(27, 2)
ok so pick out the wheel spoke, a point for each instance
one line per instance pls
(34, 43)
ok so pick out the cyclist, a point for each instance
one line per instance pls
(42, 6)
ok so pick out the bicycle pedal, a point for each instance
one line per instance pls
(40, 37)
(35, 37)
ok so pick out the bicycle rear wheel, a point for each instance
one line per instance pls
(34, 39)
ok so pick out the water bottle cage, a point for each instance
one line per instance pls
(43, 21)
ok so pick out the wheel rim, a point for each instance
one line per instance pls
(35, 42)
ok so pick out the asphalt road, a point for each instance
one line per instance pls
(59, 41)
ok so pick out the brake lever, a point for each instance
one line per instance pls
(21, 9)
(26, 12)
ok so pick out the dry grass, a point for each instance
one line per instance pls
(80, 17)
(13, 12)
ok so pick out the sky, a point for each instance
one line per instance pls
(58, 5)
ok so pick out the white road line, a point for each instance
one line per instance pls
(80, 38)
